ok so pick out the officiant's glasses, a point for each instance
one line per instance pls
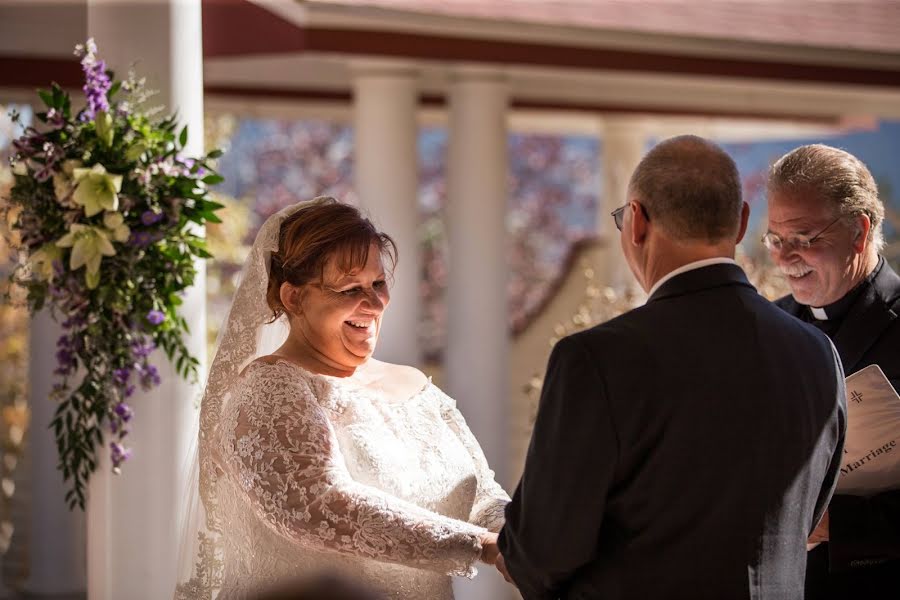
(775, 242)
(618, 215)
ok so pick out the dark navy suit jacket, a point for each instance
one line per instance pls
(685, 449)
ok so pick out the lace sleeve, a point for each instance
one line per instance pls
(490, 498)
(284, 453)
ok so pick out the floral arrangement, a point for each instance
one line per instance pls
(107, 215)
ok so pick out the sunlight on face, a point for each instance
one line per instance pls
(341, 317)
(824, 272)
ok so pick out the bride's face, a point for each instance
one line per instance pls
(341, 317)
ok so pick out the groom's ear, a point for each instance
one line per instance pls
(291, 297)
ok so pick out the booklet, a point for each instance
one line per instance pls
(871, 461)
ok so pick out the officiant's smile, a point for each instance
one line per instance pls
(819, 250)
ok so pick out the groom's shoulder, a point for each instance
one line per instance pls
(626, 331)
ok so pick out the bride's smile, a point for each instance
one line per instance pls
(339, 319)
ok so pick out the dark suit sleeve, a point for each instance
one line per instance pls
(834, 468)
(862, 529)
(553, 521)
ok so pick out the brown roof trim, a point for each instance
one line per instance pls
(238, 27)
(446, 48)
(39, 72)
(338, 96)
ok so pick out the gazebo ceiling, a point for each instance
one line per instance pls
(806, 61)
(870, 25)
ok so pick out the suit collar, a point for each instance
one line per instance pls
(870, 315)
(704, 278)
(697, 264)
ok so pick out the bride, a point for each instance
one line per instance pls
(313, 456)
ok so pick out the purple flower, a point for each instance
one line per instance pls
(118, 454)
(155, 317)
(121, 376)
(141, 349)
(150, 217)
(64, 355)
(73, 322)
(123, 411)
(141, 239)
(96, 81)
(150, 377)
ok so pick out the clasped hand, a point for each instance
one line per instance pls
(490, 554)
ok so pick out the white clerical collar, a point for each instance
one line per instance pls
(699, 264)
(818, 313)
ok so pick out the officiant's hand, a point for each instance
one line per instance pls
(489, 549)
(820, 533)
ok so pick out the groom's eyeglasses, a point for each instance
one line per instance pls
(618, 215)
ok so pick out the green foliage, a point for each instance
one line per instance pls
(109, 327)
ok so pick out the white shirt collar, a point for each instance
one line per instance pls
(818, 313)
(698, 264)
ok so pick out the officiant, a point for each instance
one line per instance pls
(825, 235)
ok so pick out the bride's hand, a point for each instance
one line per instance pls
(489, 549)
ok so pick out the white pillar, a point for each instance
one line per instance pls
(385, 101)
(132, 537)
(478, 322)
(56, 556)
(624, 142)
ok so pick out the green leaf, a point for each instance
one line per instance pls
(47, 97)
(183, 136)
(215, 153)
(213, 179)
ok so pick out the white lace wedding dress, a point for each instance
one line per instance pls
(317, 474)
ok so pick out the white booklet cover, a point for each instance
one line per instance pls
(871, 461)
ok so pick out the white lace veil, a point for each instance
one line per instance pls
(245, 336)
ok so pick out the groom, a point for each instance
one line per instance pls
(687, 448)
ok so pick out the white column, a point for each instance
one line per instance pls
(385, 101)
(132, 537)
(478, 323)
(624, 141)
(56, 555)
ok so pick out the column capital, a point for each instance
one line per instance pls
(383, 67)
(461, 73)
(625, 126)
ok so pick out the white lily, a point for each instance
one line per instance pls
(115, 223)
(63, 188)
(97, 190)
(89, 246)
(42, 261)
(103, 123)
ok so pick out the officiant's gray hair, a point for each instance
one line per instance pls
(834, 176)
(691, 188)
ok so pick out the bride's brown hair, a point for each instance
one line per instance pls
(322, 229)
